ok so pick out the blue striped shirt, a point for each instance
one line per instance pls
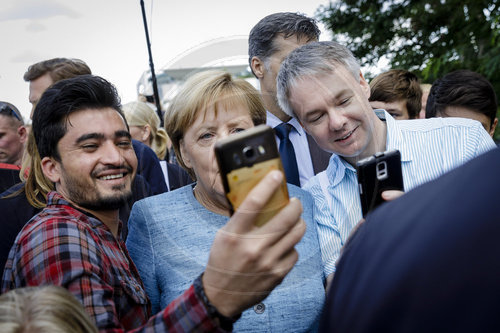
(429, 148)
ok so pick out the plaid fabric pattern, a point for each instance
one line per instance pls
(64, 246)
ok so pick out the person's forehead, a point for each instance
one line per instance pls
(335, 80)
(399, 104)
(41, 83)
(105, 121)
(7, 123)
(465, 112)
(286, 45)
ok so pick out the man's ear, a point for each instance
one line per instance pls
(258, 67)
(51, 169)
(23, 134)
(364, 85)
(493, 127)
(184, 157)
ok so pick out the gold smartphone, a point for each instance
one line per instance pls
(244, 159)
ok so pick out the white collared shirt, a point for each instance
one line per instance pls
(300, 145)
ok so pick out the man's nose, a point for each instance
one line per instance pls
(336, 119)
(111, 154)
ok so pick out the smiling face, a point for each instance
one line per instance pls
(97, 163)
(197, 149)
(334, 109)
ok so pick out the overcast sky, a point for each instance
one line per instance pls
(109, 35)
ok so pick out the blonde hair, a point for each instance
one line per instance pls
(203, 91)
(36, 185)
(45, 309)
(140, 114)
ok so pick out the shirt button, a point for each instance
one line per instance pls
(259, 308)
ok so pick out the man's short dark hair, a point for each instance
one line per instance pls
(262, 35)
(396, 85)
(463, 88)
(58, 69)
(62, 99)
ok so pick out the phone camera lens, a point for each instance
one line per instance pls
(249, 152)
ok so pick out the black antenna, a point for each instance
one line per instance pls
(152, 66)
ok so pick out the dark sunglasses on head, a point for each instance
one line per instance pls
(7, 109)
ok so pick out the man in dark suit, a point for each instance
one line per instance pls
(270, 41)
(427, 262)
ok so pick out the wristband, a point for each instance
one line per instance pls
(226, 323)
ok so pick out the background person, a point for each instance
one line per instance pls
(13, 135)
(466, 94)
(426, 88)
(145, 127)
(45, 309)
(398, 92)
(269, 42)
(171, 234)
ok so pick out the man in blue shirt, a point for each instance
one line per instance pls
(322, 86)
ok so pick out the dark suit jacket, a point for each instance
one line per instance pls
(9, 176)
(148, 166)
(319, 157)
(427, 262)
(177, 177)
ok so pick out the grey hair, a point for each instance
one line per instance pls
(312, 59)
(262, 35)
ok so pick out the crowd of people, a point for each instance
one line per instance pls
(104, 227)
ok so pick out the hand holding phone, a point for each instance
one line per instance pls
(244, 159)
(376, 174)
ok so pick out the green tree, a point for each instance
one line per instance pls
(430, 38)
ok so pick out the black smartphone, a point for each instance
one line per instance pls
(378, 173)
(244, 159)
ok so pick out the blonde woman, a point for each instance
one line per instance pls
(171, 233)
(144, 126)
(47, 309)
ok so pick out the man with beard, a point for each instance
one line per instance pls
(86, 151)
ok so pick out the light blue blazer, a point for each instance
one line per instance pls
(169, 240)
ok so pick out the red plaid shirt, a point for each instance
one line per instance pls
(64, 246)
